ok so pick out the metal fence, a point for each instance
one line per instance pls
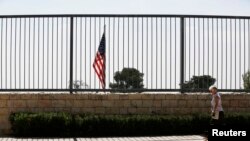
(56, 52)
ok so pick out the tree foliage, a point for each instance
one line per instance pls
(199, 82)
(128, 78)
(246, 80)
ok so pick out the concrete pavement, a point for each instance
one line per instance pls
(157, 138)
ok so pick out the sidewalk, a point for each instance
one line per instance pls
(158, 138)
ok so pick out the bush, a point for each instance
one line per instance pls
(199, 83)
(246, 80)
(63, 124)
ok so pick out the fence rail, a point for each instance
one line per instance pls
(56, 52)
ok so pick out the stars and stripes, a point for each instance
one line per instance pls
(100, 61)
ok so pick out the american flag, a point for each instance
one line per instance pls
(100, 61)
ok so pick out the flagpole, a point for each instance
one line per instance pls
(104, 32)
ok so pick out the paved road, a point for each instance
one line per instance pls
(158, 138)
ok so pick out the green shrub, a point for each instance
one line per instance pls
(64, 124)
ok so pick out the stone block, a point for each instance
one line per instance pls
(170, 96)
(123, 111)
(113, 97)
(3, 103)
(124, 97)
(126, 103)
(19, 103)
(234, 103)
(4, 96)
(157, 104)
(182, 103)
(32, 103)
(99, 110)
(107, 103)
(147, 97)
(132, 111)
(147, 103)
(115, 111)
(159, 96)
(44, 103)
(136, 103)
(135, 96)
(58, 103)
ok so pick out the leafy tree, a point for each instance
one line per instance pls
(128, 78)
(246, 80)
(79, 84)
(199, 82)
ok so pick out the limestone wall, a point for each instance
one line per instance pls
(115, 104)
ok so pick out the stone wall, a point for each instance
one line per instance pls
(116, 104)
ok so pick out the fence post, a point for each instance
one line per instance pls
(182, 49)
(71, 55)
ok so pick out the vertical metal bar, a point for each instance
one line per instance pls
(123, 42)
(128, 44)
(10, 53)
(161, 54)
(194, 48)
(239, 52)
(66, 51)
(231, 55)
(48, 53)
(203, 34)
(62, 45)
(109, 42)
(152, 53)
(52, 56)
(15, 50)
(20, 53)
(29, 54)
(142, 43)
(85, 50)
(226, 54)
(81, 51)
(95, 47)
(217, 21)
(38, 51)
(166, 51)
(137, 27)
(71, 52)
(156, 52)
(76, 46)
(43, 55)
(235, 52)
(24, 46)
(118, 43)
(133, 47)
(113, 46)
(222, 54)
(175, 53)
(6, 51)
(90, 40)
(2, 53)
(182, 59)
(170, 35)
(34, 31)
(147, 53)
(208, 45)
(189, 48)
(212, 47)
(199, 52)
(244, 51)
(57, 73)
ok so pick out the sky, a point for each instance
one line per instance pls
(194, 7)
(128, 34)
